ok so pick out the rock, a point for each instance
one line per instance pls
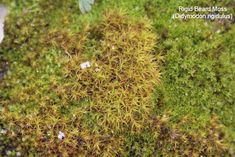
(61, 135)
(3, 13)
(85, 65)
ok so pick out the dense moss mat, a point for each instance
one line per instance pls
(121, 105)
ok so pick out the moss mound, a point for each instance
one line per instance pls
(122, 75)
(92, 106)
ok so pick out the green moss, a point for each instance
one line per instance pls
(45, 91)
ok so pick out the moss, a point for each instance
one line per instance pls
(118, 94)
(162, 139)
(120, 86)
(107, 109)
(193, 68)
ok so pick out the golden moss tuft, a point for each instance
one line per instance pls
(122, 75)
(94, 106)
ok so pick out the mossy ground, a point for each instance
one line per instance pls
(191, 111)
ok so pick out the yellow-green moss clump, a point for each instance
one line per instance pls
(121, 79)
(93, 106)
(119, 83)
